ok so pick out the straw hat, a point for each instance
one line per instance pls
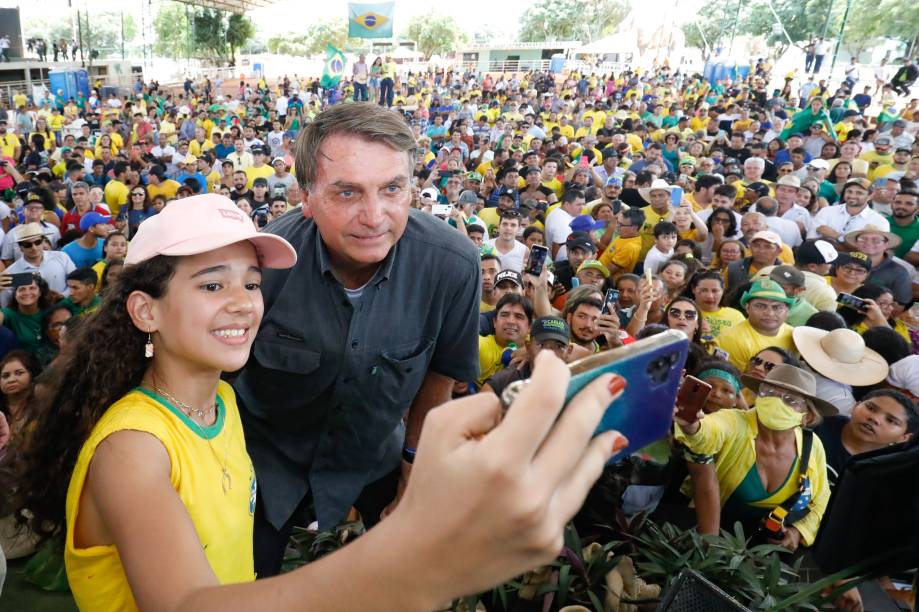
(656, 185)
(796, 380)
(893, 241)
(840, 355)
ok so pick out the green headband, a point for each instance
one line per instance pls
(723, 375)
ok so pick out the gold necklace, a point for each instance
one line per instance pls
(225, 481)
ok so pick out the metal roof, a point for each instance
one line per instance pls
(234, 6)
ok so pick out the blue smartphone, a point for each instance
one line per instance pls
(652, 368)
(676, 195)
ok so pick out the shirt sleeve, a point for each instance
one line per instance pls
(456, 353)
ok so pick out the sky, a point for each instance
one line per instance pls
(503, 16)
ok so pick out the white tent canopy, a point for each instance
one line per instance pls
(620, 42)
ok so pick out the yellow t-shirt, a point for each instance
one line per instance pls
(223, 520)
(743, 342)
(723, 319)
(489, 358)
(624, 252)
(8, 144)
(167, 188)
(647, 230)
(116, 195)
(196, 148)
(253, 173)
(485, 306)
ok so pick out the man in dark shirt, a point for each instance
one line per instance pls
(240, 180)
(506, 281)
(372, 326)
(882, 418)
(579, 248)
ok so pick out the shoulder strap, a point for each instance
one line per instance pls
(807, 442)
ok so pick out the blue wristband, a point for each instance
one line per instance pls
(408, 454)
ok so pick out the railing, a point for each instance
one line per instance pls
(9, 88)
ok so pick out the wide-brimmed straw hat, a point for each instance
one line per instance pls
(840, 355)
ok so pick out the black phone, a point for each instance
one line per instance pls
(22, 279)
(537, 259)
(610, 300)
(850, 301)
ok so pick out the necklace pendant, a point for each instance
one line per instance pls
(226, 481)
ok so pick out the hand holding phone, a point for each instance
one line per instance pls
(609, 301)
(850, 301)
(536, 259)
(691, 397)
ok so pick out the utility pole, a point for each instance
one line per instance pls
(734, 28)
(842, 32)
(826, 24)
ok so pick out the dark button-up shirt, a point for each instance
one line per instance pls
(330, 378)
(894, 276)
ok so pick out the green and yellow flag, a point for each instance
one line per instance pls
(334, 67)
(370, 20)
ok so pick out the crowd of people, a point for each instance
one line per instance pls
(777, 229)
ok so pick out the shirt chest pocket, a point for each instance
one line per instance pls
(402, 370)
(288, 376)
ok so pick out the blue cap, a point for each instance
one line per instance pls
(585, 223)
(93, 218)
(614, 181)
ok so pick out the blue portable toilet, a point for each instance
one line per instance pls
(70, 82)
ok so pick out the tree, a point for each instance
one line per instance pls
(210, 34)
(583, 20)
(320, 34)
(435, 33)
(711, 21)
(173, 30)
(803, 20)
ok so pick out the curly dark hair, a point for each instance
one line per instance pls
(45, 300)
(75, 391)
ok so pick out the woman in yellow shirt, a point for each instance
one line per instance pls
(41, 127)
(105, 142)
(159, 511)
(758, 456)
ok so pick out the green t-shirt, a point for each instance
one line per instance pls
(77, 310)
(909, 235)
(27, 327)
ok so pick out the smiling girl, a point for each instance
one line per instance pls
(159, 510)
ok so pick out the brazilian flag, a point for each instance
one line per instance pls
(334, 67)
(370, 20)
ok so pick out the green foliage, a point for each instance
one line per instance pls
(308, 546)
(435, 33)
(755, 575)
(214, 35)
(318, 35)
(583, 20)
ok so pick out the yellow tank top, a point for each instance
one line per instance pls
(223, 521)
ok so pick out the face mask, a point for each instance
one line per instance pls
(773, 413)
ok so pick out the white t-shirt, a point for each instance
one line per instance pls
(656, 258)
(787, 230)
(558, 229)
(513, 259)
(839, 219)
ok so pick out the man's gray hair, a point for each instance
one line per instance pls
(755, 161)
(365, 120)
(80, 185)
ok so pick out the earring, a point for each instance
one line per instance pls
(148, 347)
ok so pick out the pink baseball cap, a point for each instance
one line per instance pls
(203, 223)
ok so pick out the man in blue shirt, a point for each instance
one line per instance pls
(86, 250)
(190, 171)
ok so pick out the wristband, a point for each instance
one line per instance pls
(408, 454)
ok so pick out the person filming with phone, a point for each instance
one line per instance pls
(772, 472)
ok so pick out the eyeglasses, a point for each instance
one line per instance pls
(853, 269)
(795, 401)
(759, 362)
(689, 315)
(31, 243)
